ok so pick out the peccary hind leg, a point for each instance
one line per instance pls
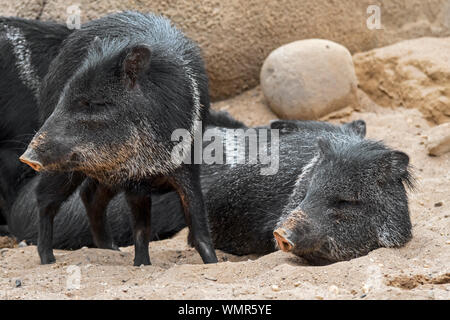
(52, 191)
(95, 197)
(186, 182)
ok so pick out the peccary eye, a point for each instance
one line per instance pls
(91, 104)
(343, 203)
(99, 103)
(84, 103)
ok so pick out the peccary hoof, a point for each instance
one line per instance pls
(47, 259)
(138, 262)
(111, 246)
(190, 240)
(207, 252)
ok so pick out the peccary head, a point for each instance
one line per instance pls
(348, 200)
(116, 113)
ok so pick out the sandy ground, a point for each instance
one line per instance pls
(420, 270)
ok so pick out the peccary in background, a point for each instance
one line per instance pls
(26, 49)
(113, 96)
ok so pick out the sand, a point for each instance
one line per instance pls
(420, 270)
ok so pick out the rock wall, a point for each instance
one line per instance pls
(412, 74)
(236, 36)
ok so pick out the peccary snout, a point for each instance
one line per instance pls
(43, 153)
(297, 234)
(29, 157)
(282, 237)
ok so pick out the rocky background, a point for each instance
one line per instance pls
(265, 62)
(236, 36)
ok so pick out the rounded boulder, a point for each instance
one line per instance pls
(309, 79)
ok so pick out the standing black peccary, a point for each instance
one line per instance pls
(27, 47)
(113, 96)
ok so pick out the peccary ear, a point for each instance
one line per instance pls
(395, 163)
(285, 126)
(324, 145)
(137, 61)
(96, 44)
(358, 127)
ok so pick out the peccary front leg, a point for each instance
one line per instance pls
(187, 184)
(96, 197)
(52, 191)
(140, 202)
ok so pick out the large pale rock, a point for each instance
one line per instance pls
(438, 140)
(236, 36)
(309, 79)
(413, 74)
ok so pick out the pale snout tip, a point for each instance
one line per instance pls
(281, 237)
(34, 164)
